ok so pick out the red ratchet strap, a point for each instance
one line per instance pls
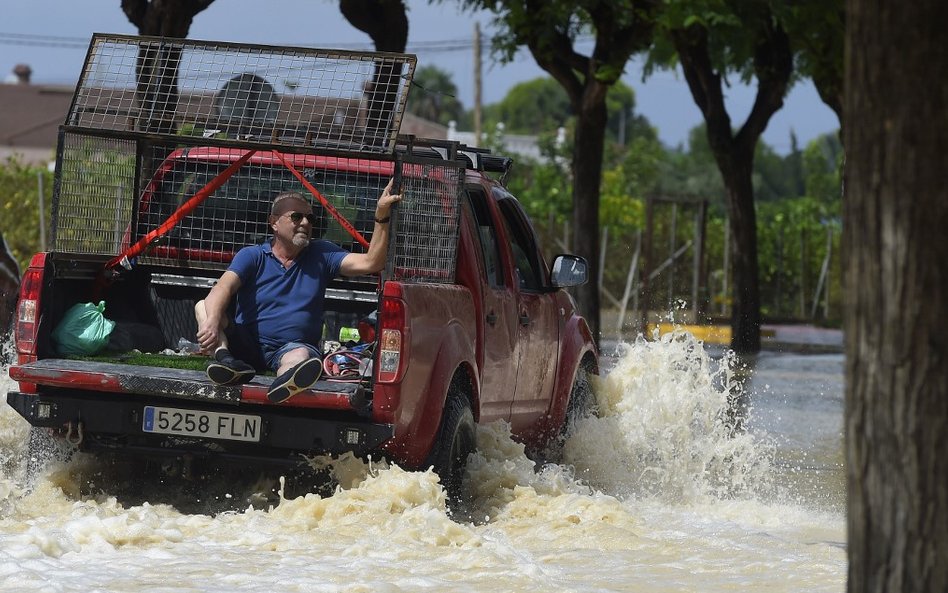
(329, 207)
(181, 212)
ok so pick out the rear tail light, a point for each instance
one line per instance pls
(393, 342)
(28, 308)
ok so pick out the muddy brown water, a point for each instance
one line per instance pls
(659, 493)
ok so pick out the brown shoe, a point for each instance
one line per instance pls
(299, 378)
(227, 370)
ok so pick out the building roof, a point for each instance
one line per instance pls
(30, 116)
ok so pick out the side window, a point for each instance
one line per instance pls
(522, 246)
(486, 238)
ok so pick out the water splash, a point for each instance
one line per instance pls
(666, 427)
(659, 494)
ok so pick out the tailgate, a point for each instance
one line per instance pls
(180, 384)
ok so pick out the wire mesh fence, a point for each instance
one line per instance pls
(237, 213)
(95, 194)
(426, 234)
(98, 210)
(285, 96)
(174, 150)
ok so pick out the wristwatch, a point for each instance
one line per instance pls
(383, 220)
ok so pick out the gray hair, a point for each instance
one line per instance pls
(276, 209)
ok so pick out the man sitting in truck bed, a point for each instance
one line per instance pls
(280, 286)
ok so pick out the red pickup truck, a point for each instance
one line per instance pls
(167, 164)
(467, 325)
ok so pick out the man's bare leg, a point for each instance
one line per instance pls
(224, 369)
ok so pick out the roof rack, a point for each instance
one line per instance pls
(478, 159)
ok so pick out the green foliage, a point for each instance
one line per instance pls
(692, 172)
(89, 186)
(733, 29)
(532, 107)
(545, 188)
(813, 172)
(792, 244)
(517, 21)
(822, 165)
(20, 207)
(816, 29)
(792, 228)
(96, 195)
(626, 185)
(434, 96)
(775, 176)
(541, 105)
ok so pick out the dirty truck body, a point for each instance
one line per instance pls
(467, 324)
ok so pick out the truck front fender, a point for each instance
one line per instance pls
(576, 346)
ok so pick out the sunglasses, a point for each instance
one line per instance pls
(297, 217)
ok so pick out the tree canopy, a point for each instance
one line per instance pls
(550, 29)
(434, 96)
(713, 40)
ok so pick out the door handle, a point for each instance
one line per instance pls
(491, 318)
(524, 319)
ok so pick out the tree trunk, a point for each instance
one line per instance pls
(547, 28)
(587, 176)
(896, 244)
(157, 66)
(734, 153)
(157, 87)
(386, 22)
(742, 218)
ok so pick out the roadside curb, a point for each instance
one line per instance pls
(802, 339)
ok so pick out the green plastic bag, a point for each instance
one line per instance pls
(83, 331)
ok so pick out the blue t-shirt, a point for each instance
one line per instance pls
(285, 305)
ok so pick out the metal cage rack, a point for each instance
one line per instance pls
(179, 147)
(97, 209)
(288, 97)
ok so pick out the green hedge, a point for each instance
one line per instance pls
(20, 206)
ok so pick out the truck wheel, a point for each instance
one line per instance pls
(42, 448)
(581, 405)
(456, 441)
(581, 402)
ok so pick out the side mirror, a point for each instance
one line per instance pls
(568, 270)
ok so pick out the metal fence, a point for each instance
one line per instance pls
(173, 151)
(94, 194)
(426, 230)
(286, 96)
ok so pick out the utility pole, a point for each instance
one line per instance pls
(477, 83)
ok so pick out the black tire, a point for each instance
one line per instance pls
(581, 405)
(457, 439)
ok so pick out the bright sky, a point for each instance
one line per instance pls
(51, 36)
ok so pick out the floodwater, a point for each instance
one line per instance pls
(660, 493)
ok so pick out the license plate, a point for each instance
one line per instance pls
(209, 425)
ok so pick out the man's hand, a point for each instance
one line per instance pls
(373, 260)
(208, 336)
(384, 206)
